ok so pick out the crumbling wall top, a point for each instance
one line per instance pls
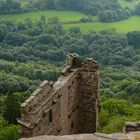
(37, 97)
(132, 126)
(73, 60)
(90, 65)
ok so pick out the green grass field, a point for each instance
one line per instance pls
(131, 24)
(121, 27)
(131, 5)
(62, 15)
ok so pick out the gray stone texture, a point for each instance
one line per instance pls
(83, 137)
(131, 126)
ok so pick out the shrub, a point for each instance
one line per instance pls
(3, 123)
(116, 124)
(115, 107)
(103, 118)
(9, 133)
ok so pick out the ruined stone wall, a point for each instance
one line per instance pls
(131, 126)
(89, 97)
(68, 106)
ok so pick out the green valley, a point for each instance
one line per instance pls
(131, 24)
(37, 35)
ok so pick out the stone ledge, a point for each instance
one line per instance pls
(96, 136)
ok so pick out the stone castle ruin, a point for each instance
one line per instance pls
(68, 106)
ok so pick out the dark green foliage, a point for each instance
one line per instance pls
(134, 38)
(112, 15)
(2, 34)
(47, 39)
(10, 6)
(12, 107)
(15, 39)
(137, 66)
(2, 105)
(70, 4)
(51, 4)
(137, 10)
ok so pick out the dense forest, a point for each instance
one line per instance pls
(31, 52)
(105, 10)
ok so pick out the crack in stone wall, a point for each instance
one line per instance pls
(68, 106)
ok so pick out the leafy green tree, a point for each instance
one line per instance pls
(10, 6)
(134, 38)
(47, 39)
(51, 4)
(70, 4)
(137, 10)
(137, 66)
(115, 107)
(15, 39)
(2, 34)
(12, 107)
(74, 30)
(106, 16)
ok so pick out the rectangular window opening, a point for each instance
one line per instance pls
(50, 116)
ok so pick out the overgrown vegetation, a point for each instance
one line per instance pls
(8, 132)
(115, 112)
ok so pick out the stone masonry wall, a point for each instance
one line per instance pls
(68, 106)
(89, 97)
(131, 126)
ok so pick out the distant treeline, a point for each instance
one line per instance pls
(10, 7)
(106, 10)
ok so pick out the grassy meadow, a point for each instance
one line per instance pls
(124, 26)
(62, 15)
